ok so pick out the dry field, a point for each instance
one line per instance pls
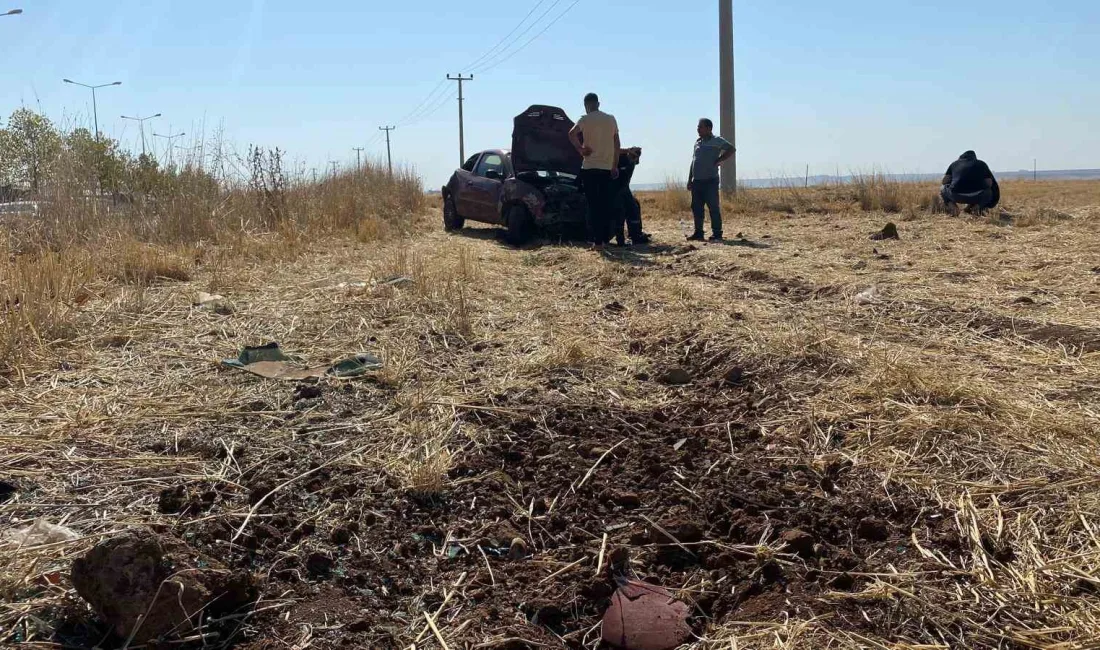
(913, 466)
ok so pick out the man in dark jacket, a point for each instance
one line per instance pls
(969, 181)
(628, 210)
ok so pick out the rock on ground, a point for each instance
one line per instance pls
(152, 586)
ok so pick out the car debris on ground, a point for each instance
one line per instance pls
(270, 362)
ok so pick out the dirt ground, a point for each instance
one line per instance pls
(815, 439)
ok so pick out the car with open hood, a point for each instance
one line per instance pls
(533, 187)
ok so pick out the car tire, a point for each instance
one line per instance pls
(451, 219)
(518, 224)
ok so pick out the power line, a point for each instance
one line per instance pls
(428, 98)
(438, 97)
(516, 51)
(426, 106)
(443, 101)
(519, 36)
(493, 49)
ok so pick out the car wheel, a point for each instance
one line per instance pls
(518, 225)
(451, 220)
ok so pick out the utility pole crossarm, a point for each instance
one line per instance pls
(358, 158)
(461, 132)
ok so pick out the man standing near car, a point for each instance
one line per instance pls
(710, 152)
(596, 137)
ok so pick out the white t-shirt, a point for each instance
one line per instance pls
(599, 130)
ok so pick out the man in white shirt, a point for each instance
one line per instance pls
(596, 138)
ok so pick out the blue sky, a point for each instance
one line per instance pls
(905, 85)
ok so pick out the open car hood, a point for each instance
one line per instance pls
(540, 142)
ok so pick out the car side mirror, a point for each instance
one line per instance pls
(494, 174)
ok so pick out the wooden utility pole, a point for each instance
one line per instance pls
(461, 133)
(726, 112)
(358, 159)
(389, 156)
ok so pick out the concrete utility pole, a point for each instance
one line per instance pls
(726, 112)
(333, 163)
(358, 159)
(141, 126)
(461, 133)
(389, 157)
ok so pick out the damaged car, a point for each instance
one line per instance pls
(532, 188)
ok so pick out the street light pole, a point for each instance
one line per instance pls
(171, 139)
(141, 127)
(95, 111)
(13, 12)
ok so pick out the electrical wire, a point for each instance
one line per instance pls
(493, 50)
(442, 91)
(430, 97)
(418, 112)
(533, 38)
(482, 66)
(370, 143)
(446, 99)
(438, 97)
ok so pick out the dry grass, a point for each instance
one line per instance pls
(675, 197)
(81, 245)
(946, 386)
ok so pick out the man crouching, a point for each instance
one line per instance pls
(969, 181)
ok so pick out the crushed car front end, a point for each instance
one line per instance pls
(546, 169)
(555, 201)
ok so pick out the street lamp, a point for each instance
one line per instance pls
(13, 12)
(95, 114)
(170, 139)
(141, 126)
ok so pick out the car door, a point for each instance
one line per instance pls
(463, 179)
(485, 187)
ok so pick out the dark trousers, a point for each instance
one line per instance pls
(598, 190)
(982, 199)
(628, 216)
(704, 194)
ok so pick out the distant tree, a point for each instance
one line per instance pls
(146, 176)
(29, 148)
(93, 161)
